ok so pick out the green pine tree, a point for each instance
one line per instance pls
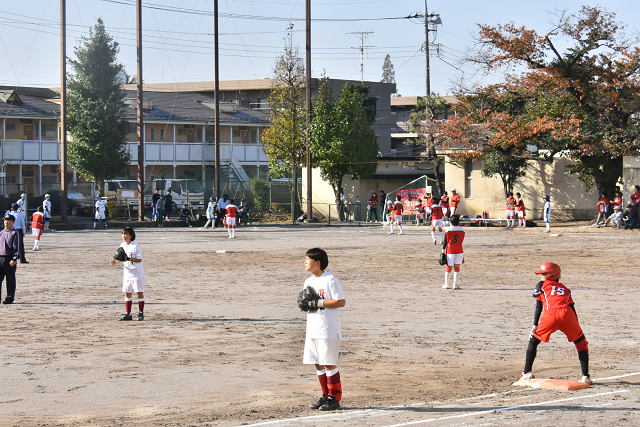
(388, 74)
(96, 109)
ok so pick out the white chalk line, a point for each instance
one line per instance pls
(365, 411)
(510, 408)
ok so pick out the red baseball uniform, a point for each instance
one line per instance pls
(520, 206)
(558, 313)
(437, 212)
(444, 202)
(455, 199)
(398, 207)
(455, 237)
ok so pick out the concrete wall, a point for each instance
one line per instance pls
(631, 176)
(569, 200)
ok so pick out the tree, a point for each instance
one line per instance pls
(593, 86)
(388, 74)
(342, 140)
(95, 109)
(284, 140)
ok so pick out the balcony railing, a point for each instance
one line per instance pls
(17, 150)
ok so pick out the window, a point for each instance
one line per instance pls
(11, 179)
(10, 127)
(133, 129)
(182, 132)
(50, 179)
(161, 134)
(50, 131)
(468, 171)
(236, 133)
(153, 135)
(254, 136)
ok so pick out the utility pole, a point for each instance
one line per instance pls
(216, 94)
(63, 112)
(140, 112)
(430, 25)
(363, 36)
(308, 107)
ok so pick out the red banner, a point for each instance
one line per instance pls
(409, 199)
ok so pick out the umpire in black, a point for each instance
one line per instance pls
(9, 254)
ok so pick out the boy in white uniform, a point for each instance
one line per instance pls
(324, 331)
(100, 210)
(211, 212)
(133, 280)
(547, 213)
(46, 206)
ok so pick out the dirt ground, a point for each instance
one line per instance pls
(223, 338)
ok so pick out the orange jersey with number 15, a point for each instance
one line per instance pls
(455, 237)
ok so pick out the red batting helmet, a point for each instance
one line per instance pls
(550, 270)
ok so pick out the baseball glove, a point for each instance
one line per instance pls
(442, 259)
(304, 297)
(120, 255)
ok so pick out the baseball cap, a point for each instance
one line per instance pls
(47, 195)
(616, 207)
(453, 189)
(10, 217)
(23, 195)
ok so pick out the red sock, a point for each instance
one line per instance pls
(141, 305)
(323, 382)
(128, 303)
(335, 386)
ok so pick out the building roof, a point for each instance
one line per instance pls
(406, 101)
(159, 106)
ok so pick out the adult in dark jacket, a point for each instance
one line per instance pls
(168, 204)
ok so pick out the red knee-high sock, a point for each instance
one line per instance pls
(128, 303)
(141, 305)
(322, 377)
(334, 384)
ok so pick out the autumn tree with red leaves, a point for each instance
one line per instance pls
(581, 102)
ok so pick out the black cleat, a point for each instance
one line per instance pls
(319, 403)
(330, 405)
(8, 301)
(140, 317)
(126, 317)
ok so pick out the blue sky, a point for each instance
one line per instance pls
(178, 45)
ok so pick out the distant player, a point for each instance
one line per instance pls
(420, 212)
(547, 213)
(324, 330)
(452, 246)
(397, 214)
(559, 315)
(232, 213)
(444, 202)
(428, 204)
(211, 212)
(389, 211)
(46, 209)
(133, 280)
(101, 206)
(521, 212)
(436, 220)
(22, 205)
(511, 205)
(37, 221)
(455, 201)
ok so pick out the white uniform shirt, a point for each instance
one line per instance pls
(547, 212)
(100, 206)
(46, 206)
(325, 324)
(133, 270)
(210, 209)
(21, 205)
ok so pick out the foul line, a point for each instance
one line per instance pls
(510, 408)
(618, 376)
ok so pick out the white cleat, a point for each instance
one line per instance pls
(585, 379)
(400, 234)
(445, 286)
(455, 287)
(527, 376)
(391, 232)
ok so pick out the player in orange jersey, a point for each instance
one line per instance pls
(444, 202)
(436, 220)
(521, 213)
(230, 217)
(511, 205)
(559, 315)
(397, 214)
(452, 246)
(428, 204)
(455, 201)
(420, 212)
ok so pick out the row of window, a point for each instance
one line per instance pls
(48, 130)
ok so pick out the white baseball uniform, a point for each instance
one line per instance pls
(133, 280)
(100, 209)
(324, 330)
(46, 206)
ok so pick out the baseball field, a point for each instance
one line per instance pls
(223, 338)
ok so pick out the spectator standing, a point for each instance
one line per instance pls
(373, 208)
(603, 208)
(381, 204)
(455, 201)
(9, 254)
(341, 201)
(168, 204)
(635, 196)
(156, 197)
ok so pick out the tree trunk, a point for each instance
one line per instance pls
(505, 186)
(436, 170)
